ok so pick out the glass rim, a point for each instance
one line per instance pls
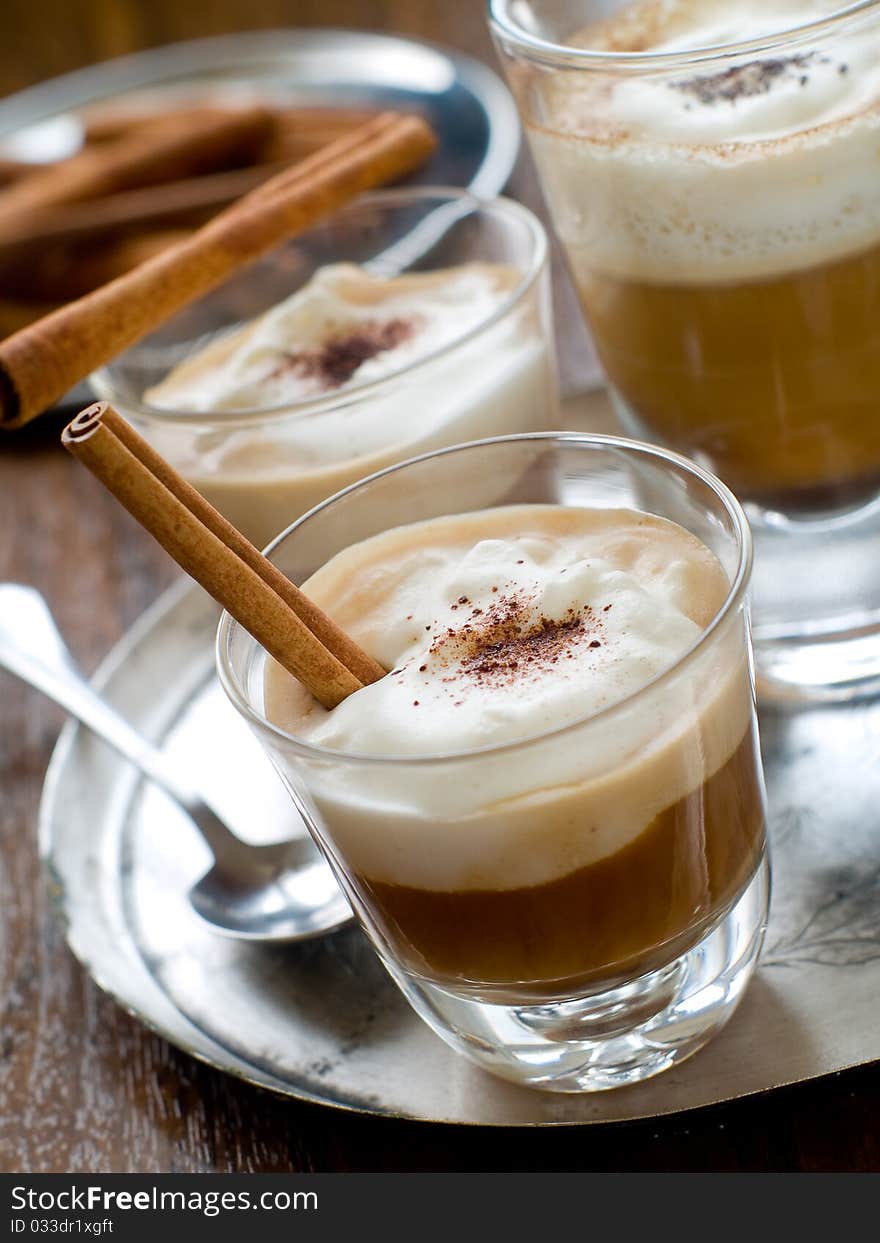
(548, 52)
(103, 382)
(736, 592)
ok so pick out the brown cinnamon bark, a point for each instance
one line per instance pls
(55, 274)
(191, 200)
(100, 127)
(237, 576)
(292, 135)
(15, 170)
(154, 153)
(18, 313)
(364, 668)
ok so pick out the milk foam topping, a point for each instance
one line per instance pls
(512, 637)
(734, 167)
(344, 328)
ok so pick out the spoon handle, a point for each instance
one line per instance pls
(32, 649)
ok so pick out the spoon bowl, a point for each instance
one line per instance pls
(281, 892)
(292, 898)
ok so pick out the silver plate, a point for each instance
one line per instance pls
(322, 1022)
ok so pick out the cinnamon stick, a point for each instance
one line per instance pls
(40, 363)
(156, 152)
(296, 133)
(18, 313)
(173, 202)
(14, 170)
(238, 577)
(302, 130)
(101, 126)
(364, 668)
(57, 273)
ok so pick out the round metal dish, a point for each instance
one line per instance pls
(321, 1021)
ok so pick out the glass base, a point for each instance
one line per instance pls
(816, 605)
(608, 1039)
(815, 596)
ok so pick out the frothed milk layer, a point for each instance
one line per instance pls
(754, 165)
(344, 328)
(499, 627)
(496, 638)
(484, 368)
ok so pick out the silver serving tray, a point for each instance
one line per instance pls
(322, 1022)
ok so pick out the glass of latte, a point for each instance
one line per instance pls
(711, 168)
(549, 815)
(412, 319)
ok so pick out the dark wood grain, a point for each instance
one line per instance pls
(83, 1087)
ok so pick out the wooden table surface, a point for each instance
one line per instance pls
(83, 1087)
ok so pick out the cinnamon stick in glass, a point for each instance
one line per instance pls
(244, 582)
(364, 668)
(43, 361)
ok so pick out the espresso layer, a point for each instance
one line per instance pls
(631, 911)
(774, 382)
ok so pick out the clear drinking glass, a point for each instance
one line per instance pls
(628, 879)
(264, 466)
(711, 170)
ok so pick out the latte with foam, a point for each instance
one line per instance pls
(723, 225)
(582, 851)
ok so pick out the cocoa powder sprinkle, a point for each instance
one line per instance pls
(754, 78)
(335, 362)
(510, 643)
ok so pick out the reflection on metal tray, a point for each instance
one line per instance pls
(322, 1021)
(468, 106)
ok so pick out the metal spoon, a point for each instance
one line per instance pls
(283, 892)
